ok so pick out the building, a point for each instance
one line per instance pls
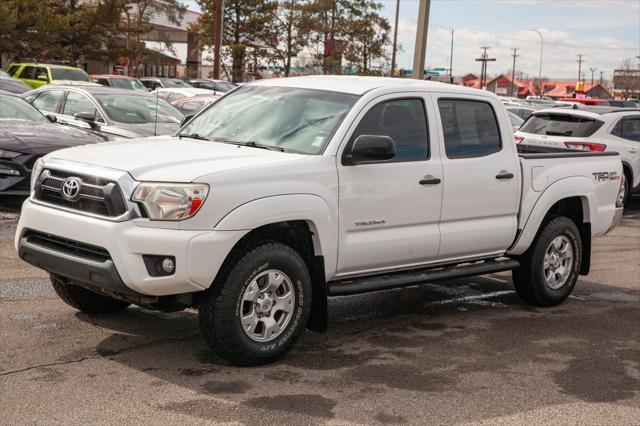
(503, 86)
(626, 84)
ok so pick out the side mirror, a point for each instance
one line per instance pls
(52, 118)
(371, 149)
(87, 117)
(186, 119)
(42, 77)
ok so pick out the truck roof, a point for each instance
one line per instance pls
(357, 85)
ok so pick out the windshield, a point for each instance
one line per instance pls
(125, 83)
(138, 109)
(174, 82)
(69, 74)
(299, 120)
(12, 108)
(561, 125)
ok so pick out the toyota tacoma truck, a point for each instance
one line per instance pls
(287, 192)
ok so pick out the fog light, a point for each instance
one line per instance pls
(10, 172)
(168, 265)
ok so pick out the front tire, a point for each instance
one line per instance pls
(549, 269)
(85, 300)
(258, 306)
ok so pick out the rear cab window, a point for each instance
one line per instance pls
(470, 128)
(551, 124)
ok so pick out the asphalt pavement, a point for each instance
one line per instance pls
(464, 351)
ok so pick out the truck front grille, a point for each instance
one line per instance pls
(94, 195)
(67, 246)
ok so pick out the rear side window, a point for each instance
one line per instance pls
(470, 128)
(561, 125)
(630, 129)
(404, 120)
(48, 101)
(28, 73)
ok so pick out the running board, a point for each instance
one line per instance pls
(423, 276)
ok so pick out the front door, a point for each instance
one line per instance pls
(389, 211)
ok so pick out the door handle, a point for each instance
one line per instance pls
(429, 180)
(504, 175)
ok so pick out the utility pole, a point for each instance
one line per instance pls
(420, 51)
(451, 60)
(217, 43)
(601, 72)
(513, 71)
(592, 71)
(540, 70)
(395, 40)
(580, 61)
(484, 58)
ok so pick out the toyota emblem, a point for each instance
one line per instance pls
(71, 188)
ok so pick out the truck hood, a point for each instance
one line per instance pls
(170, 159)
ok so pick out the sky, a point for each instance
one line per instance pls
(605, 32)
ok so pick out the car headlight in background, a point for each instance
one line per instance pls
(170, 201)
(35, 172)
(5, 153)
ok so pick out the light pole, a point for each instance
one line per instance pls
(540, 69)
(395, 40)
(420, 50)
(592, 71)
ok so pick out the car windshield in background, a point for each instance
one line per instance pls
(561, 125)
(14, 108)
(299, 120)
(174, 82)
(125, 83)
(224, 87)
(138, 109)
(69, 74)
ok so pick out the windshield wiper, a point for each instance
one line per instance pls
(304, 126)
(252, 144)
(192, 136)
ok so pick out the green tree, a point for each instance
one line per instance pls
(290, 40)
(24, 29)
(367, 34)
(248, 24)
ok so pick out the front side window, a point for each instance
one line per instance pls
(77, 103)
(41, 74)
(470, 128)
(404, 121)
(48, 100)
(291, 119)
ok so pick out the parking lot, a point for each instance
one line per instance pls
(464, 351)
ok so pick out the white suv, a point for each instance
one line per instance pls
(589, 129)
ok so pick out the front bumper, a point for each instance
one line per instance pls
(199, 254)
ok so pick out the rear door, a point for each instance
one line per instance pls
(480, 177)
(388, 214)
(627, 133)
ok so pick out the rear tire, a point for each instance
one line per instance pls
(549, 269)
(85, 300)
(258, 305)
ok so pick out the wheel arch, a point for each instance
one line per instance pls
(628, 172)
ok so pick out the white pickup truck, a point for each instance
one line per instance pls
(288, 191)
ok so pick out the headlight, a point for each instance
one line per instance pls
(5, 153)
(171, 201)
(35, 172)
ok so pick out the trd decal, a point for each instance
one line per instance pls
(605, 176)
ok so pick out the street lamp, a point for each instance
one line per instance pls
(540, 70)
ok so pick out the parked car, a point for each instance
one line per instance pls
(621, 103)
(152, 83)
(12, 85)
(215, 85)
(586, 101)
(516, 121)
(173, 94)
(118, 81)
(193, 104)
(286, 191)
(26, 135)
(522, 111)
(114, 113)
(598, 129)
(36, 74)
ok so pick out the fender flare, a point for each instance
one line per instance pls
(571, 187)
(310, 208)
